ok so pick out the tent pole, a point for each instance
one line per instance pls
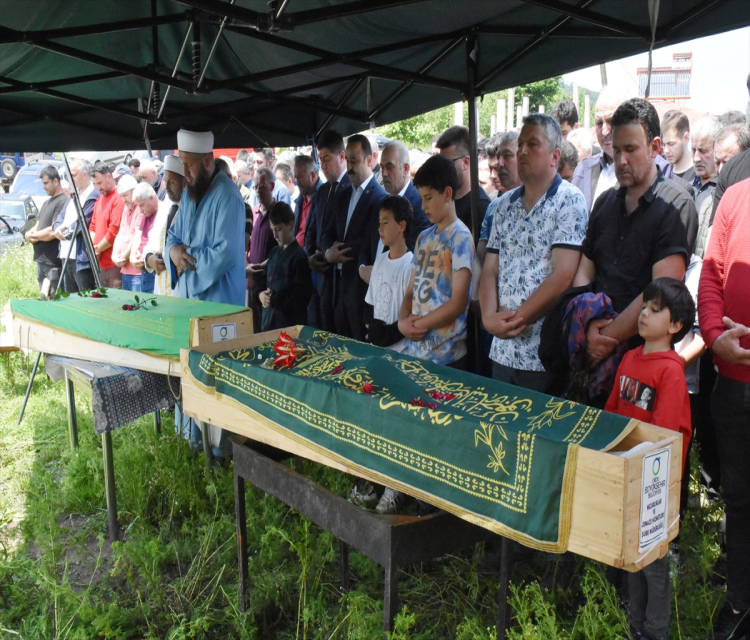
(472, 50)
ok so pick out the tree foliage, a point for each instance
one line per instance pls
(419, 130)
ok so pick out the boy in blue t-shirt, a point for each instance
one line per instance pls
(433, 313)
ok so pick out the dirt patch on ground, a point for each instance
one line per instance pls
(89, 562)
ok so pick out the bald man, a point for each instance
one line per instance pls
(594, 175)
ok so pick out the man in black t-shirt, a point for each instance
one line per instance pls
(42, 236)
(644, 230)
(454, 143)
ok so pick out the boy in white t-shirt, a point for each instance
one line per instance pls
(390, 274)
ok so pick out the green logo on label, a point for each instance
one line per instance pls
(656, 466)
(223, 332)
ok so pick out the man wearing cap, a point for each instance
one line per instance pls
(153, 253)
(123, 170)
(206, 243)
(124, 244)
(105, 223)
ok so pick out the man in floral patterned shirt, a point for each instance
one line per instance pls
(532, 254)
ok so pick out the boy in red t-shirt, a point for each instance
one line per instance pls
(650, 386)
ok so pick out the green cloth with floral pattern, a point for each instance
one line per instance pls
(495, 454)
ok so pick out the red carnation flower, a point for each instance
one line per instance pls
(367, 387)
(96, 294)
(432, 405)
(338, 369)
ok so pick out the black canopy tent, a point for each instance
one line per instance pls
(76, 74)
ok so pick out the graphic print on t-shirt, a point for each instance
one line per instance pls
(637, 393)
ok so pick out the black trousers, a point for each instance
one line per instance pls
(730, 407)
(85, 279)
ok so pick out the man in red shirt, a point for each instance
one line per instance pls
(724, 314)
(306, 175)
(105, 223)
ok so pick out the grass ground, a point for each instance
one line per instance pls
(174, 574)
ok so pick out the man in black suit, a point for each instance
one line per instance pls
(394, 162)
(345, 236)
(331, 154)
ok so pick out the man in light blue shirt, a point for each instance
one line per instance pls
(205, 244)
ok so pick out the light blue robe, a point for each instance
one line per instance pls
(215, 233)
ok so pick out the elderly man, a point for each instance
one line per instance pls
(596, 174)
(123, 246)
(284, 173)
(262, 243)
(724, 315)
(205, 245)
(244, 180)
(78, 275)
(675, 134)
(42, 235)
(332, 156)
(730, 141)
(641, 231)
(396, 182)
(581, 140)
(153, 252)
(148, 174)
(346, 234)
(154, 213)
(532, 254)
(105, 223)
(455, 144)
(705, 171)
(264, 158)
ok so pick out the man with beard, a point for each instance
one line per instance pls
(206, 243)
(105, 223)
(174, 183)
(345, 236)
(454, 143)
(306, 176)
(643, 230)
(675, 133)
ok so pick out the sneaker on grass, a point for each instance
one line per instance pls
(731, 624)
(363, 494)
(390, 501)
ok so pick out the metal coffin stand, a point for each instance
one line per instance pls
(390, 541)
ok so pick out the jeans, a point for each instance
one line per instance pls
(730, 409)
(651, 599)
(140, 283)
(534, 380)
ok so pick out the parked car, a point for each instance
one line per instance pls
(115, 157)
(17, 215)
(17, 207)
(28, 183)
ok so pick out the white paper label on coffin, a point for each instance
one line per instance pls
(654, 498)
(221, 332)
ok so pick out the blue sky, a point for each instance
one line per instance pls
(720, 67)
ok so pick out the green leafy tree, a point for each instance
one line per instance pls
(419, 130)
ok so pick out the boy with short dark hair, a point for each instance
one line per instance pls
(390, 274)
(650, 386)
(433, 312)
(289, 283)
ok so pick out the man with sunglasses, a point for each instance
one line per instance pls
(454, 143)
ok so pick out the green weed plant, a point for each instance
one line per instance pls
(174, 573)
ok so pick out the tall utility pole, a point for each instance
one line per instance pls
(603, 71)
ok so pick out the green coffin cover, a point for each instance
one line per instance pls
(499, 455)
(161, 330)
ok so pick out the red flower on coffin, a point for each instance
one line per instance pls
(367, 387)
(287, 351)
(338, 369)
